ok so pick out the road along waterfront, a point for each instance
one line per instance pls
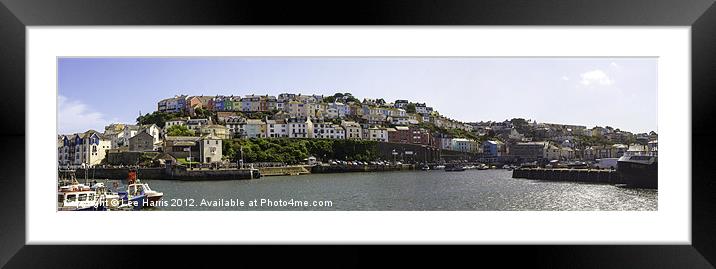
(489, 190)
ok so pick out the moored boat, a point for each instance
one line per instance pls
(639, 167)
(454, 168)
(138, 188)
(78, 197)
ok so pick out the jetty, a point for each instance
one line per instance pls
(570, 175)
(285, 170)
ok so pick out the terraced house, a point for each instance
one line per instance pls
(88, 148)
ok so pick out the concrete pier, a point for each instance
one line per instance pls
(569, 175)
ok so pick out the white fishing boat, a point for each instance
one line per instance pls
(79, 197)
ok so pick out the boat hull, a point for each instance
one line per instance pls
(638, 174)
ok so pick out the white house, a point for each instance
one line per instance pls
(276, 128)
(376, 134)
(299, 128)
(352, 130)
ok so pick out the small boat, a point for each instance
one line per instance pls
(78, 197)
(152, 196)
(482, 167)
(136, 186)
(439, 167)
(135, 202)
(454, 168)
(425, 167)
(111, 199)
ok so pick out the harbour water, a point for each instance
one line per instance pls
(490, 190)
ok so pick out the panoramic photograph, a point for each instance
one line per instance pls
(357, 134)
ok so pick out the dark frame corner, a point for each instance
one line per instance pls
(15, 15)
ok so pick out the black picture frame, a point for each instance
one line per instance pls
(700, 15)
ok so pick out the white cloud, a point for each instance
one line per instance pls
(595, 77)
(565, 78)
(75, 116)
(615, 65)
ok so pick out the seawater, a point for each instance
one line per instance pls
(486, 190)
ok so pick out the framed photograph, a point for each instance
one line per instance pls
(481, 124)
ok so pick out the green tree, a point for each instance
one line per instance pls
(158, 118)
(329, 99)
(179, 130)
(410, 108)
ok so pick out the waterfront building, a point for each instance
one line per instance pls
(352, 130)
(206, 149)
(464, 145)
(553, 152)
(493, 148)
(88, 148)
(142, 142)
(411, 135)
(444, 141)
(210, 149)
(567, 153)
(399, 134)
(529, 151)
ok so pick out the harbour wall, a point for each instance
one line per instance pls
(284, 171)
(171, 173)
(570, 175)
(359, 168)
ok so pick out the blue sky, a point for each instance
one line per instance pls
(617, 92)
